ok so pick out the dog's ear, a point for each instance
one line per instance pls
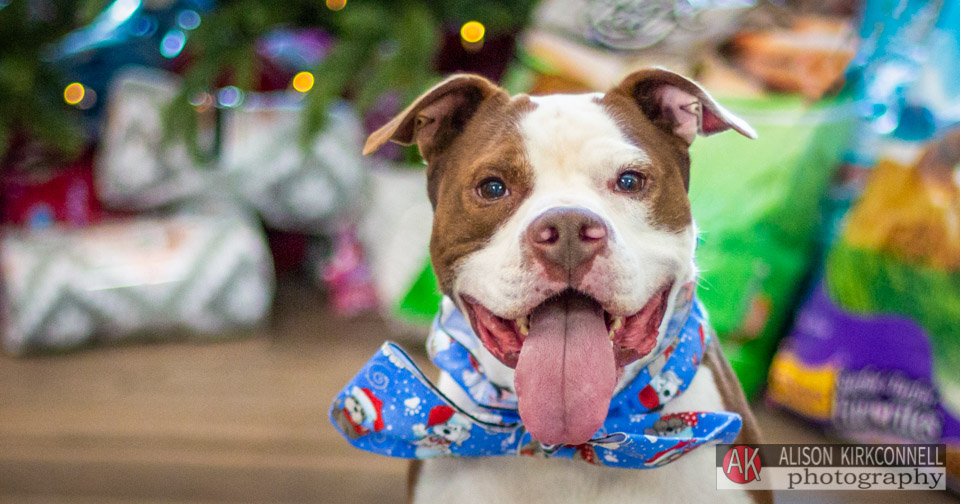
(437, 117)
(678, 105)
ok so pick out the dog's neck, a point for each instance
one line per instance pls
(678, 304)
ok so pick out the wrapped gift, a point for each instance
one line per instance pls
(262, 162)
(199, 274)
(135, 168)
(293, 187)
(39, 195)
(395, 233)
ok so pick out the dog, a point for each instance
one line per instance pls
(561, 220)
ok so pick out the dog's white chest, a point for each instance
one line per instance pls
(531, 480)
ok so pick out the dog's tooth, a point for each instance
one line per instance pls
(611, 336)
(617, 324)
(524, 325)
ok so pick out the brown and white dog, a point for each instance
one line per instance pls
(562, 230)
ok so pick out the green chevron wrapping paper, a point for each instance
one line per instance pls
(292, 187)
(262, 162)
(135, 168)
(143, 278)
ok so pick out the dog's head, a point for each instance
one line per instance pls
(562, 228)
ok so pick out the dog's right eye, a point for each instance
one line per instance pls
(631, 181)
(492, 188)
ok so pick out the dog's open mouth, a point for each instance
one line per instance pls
(568, 353)
(632, 337)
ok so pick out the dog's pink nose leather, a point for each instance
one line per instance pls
(567, 237)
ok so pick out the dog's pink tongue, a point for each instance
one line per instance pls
(566, 372)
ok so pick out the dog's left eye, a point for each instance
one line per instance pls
(631, 181)
(492, 188)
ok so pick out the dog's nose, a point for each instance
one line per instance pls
(567, 237)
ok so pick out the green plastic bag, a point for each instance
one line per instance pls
(756, 203)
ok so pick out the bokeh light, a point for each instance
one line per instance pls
(472, 31)
(188, 19)
(73, 93)
(121, 10)
(173, 43)
(202, 101)
(303, 82)
(198, 99)
(143, 26)
(89, 99)
(230, 96)
(336, 5)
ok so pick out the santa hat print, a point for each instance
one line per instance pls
(439, 415)
(649, 397)
(444, 414)
(372, 406)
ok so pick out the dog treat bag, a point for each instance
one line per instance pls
(875, 352)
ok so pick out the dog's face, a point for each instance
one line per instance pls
(562, 228)
(349, 417)
(352, 408)
(454, 433)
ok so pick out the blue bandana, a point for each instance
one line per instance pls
(391, 408)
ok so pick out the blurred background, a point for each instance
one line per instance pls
(195, 258)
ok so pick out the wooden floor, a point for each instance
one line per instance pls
(237, 422)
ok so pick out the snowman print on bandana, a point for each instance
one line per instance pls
(662, 388)
(444, 428)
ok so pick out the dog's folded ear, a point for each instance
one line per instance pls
(678, 105)
(435, 119)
